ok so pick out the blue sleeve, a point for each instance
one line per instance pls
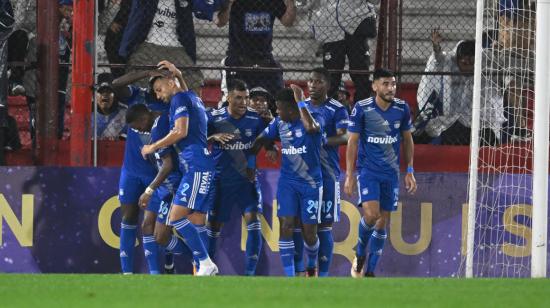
(135, 94)
(406, 122)
(341, 118)
(272, 130)
(355, 124)
(180, 104)
(160, 129)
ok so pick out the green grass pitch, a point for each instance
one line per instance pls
(49, 290)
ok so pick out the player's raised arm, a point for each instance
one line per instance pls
(310, 125)
(408, 151)
(120, 85)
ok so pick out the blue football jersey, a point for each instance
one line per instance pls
(335, 116)
(192, 150)
(380, 134)
(161, 128)
(231, 157)
(301, 151)
(133, 161)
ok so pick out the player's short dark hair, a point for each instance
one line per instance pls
(285, 97)
(466, 49)
(236, 85)
(382, 73)
(136, 112)
(323, 72)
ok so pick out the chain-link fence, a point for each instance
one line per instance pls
(270, 43)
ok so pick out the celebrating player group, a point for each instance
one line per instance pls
(188, 168)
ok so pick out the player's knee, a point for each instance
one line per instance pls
(162, 234)
(148, 226)
(215, 226)
(372, 216)
(251, 217)
(130, 213)
(286, 227)
(197, 218)
(310, 237)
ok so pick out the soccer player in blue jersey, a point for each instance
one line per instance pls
(335, 118)
(300, 187)
(376, 128)
(232, 130)
(188, 124)
(136, 173)
(158, 195)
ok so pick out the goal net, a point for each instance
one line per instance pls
(499, 235)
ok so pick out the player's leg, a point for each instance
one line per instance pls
(130, 189)
(298, 239)
(187, 198)
(253, 242)
(287, 211)
(218, 214)
(369, 194)
(330, 212)
(389, 193)
(310, 208)
(150, 246)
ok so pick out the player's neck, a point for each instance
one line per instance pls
(234, 114)
(318, 102)
(382, 103)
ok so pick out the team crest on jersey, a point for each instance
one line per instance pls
(365, 191)
(248, 132)
(298, 133)
(397, 125)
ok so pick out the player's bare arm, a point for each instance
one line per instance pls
(350, 184)
(177, 133)
(310, 125)
(167, 166)
(408, 151)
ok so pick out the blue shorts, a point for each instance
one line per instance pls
(195, 191)
(376, 188)
(130, 187)
(164, 199)
(330, 209)
(246, 196)
(299, 200)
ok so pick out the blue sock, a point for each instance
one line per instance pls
(150, 248)
(213, 237)
(375, 248)
(286, 250)
(312, 254)
(253, 247)
(192, 238)
(326, 246)
(128, 235)
(203, 234)
(298, 250)
(177, 247)
(365, 232)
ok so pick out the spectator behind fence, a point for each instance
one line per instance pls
(112, 21)
(344, 97)
(6, 26)
(262, 101)
(344, 27)
(65, 45)
(250, 40)
(445, 101)
(111, 115)
(163, 30)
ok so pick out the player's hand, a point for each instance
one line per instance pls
(146, 150)
(272, 156)
(266, 115)
(116, 27)
(350, 185)
(160, 73)
(410, 183)
(169, 66)
(251, 174)
(144, 200)
(222, 138)
(298, 93)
